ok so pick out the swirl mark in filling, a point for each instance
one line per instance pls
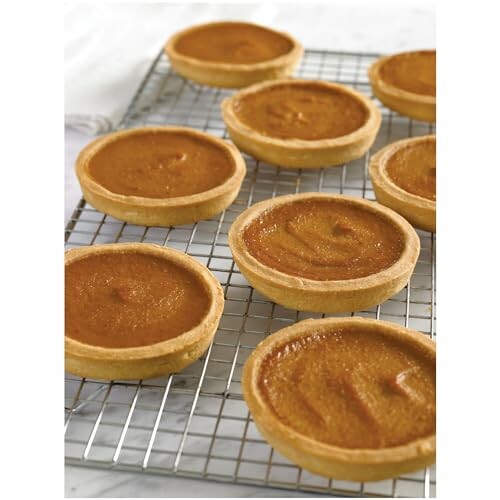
(323, 240)
(351, 388)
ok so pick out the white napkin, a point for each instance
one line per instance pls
(109, 48)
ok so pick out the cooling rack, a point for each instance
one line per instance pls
(195, 423)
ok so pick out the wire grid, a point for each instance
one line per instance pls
(195, 423)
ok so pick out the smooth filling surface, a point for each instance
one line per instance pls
(301, 111)
(323, 240)
(414, 72)
(236, 43)
(160, 165)
(131, 300)
(352, 388)
(413, 168)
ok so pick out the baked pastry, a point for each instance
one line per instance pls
(232, 54)
(406, 83)
(136, 311)
(160, 176)
(301, 123)
(346, 398)
(403, 175)
(324, 252)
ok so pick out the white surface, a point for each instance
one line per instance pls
(110, 484)
(384, 29)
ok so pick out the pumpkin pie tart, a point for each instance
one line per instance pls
(136, 311)
(406, 83)
(301, 123)
(346, 398)
(403, 175)
(160, 176)
(324, 252)
(232, 54)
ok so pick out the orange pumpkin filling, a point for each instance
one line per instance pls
(352, 388)
(235, 43)
(155, 164)
(301, 111)
(131, 300)
(323, 240)
(413, 168)
(412, 71)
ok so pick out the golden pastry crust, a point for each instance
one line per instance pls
(324, 296)
(160, 211)
(299, 153)
(417, 106)
(419, 211)
(326, 459)
(133, 363)
(231, 75)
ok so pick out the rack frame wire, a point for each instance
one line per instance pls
(195, 423)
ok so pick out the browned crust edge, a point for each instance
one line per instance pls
(419, 211)
(298, 153)
(324, 296)
(156, 211)
(417, 106)
(230, 75)
(324, 459)
(149, 361)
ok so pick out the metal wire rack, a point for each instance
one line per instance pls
(195, 423)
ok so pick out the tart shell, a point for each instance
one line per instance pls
(159, 211)
(417, 106)
(324, 296)
(321, 458)
(419, 211)
(133, 363)
(299, 153)
(230, 75)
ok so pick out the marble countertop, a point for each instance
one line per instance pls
(353, 26)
